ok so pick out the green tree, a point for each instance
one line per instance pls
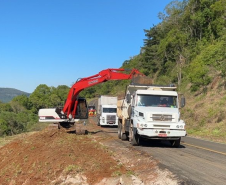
(5, 107)
(23, 100)
(40, 98)
(9, 123)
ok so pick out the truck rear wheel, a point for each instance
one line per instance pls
(121, 135)
(119, 130)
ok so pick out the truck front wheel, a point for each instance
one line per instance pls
(175, 143)
(98, 121)
(134, 137)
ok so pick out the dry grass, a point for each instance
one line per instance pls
(205, 114)
(8, 139)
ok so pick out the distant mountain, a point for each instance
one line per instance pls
(7, 94)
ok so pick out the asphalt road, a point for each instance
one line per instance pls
(196, 161)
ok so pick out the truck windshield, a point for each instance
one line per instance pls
(157, 100)
(109, 110)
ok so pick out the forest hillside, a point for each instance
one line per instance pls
(7, 94)
(188, 48)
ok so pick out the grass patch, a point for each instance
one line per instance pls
(212, 111)
(7, 139)
(130, 173)
(222, 101)
(73, 168)
(116, 173)
(38, 127)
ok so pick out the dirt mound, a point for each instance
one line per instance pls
(45, 157)
(55, 157)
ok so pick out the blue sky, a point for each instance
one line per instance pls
(54, 42)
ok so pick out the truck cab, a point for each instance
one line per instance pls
(107, 111)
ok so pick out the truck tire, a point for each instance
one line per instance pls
(129, 110)
(134, 137)
(119, 130)
(98, 121)
(121, 135)
(175, 143)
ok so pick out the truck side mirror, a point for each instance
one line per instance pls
(182, 102)
(128, 98)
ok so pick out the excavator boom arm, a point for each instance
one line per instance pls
(103, 76)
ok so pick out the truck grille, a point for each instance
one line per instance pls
(161, 117)
(111, 118)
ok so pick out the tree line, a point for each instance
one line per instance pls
(20, 114)
(188, 46)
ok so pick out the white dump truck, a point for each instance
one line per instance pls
(151, 112)
(107, 111)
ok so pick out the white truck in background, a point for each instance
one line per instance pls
(151, 112)
(107, 111)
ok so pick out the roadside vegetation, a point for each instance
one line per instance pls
(188, 48)
(20, 114)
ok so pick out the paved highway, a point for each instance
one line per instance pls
(196, 161)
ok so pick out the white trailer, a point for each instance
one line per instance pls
(151, 112)
(107, 111)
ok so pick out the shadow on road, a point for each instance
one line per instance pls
(158, 144)
(107, 129)
(94, 132)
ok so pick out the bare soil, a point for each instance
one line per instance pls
(56, 157)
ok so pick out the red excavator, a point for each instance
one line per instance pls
(76, 107)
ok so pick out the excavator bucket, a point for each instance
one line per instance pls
(79, 127)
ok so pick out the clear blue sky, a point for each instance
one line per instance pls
(54, 42)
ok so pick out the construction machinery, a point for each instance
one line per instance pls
(75, 108)
(92, 110)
